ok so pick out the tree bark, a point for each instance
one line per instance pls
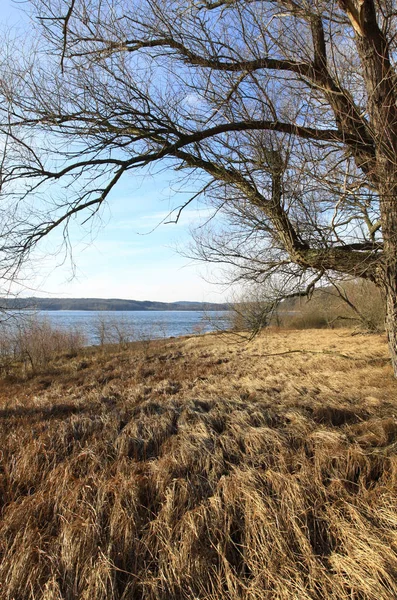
(391, 323)
(389, 274)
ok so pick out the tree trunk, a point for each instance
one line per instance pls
(373, 46)
(388, 204)
(391, 323)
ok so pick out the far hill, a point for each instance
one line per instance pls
(105, 304)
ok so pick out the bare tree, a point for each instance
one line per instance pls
(284, 110)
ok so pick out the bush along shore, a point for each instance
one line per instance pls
(202, 468)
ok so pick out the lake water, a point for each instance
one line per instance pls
(115, 326)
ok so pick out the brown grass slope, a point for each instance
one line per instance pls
(203, 469)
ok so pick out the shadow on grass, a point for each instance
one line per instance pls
(42, 413)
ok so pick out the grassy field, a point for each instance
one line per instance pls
(203, 468)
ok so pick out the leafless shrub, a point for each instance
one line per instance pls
(109, 329)
(33, 342)
(354, 303)
(252, 312)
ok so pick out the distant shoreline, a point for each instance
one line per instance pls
(111, 304)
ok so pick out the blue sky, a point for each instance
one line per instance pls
(131, 254)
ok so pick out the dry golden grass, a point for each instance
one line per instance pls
(202, 468)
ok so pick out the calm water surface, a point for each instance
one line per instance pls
(108, 326)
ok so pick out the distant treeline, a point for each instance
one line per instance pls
(104, 304)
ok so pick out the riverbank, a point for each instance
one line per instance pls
(203, 468)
